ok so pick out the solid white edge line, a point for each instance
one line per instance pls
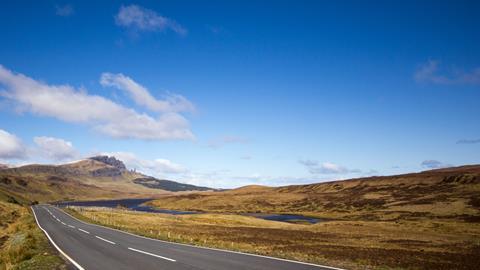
(151, 254)
(83, 231)
(55, 245)
(216, 249)
(103, 239)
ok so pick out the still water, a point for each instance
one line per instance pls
(136, 204)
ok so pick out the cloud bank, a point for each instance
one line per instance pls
(68, 104)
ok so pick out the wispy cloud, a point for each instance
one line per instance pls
(72, 105)
(466, 141)
(139, 19)
(11, 147)
(431, 72)
(64, 11)
(314, 167)
(141, 95)
(222, 141)
(434, 164)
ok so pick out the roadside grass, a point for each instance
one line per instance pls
(23, 245)
(406, 244)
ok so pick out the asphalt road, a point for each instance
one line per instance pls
(89, 246)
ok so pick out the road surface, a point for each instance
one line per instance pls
(89, 246)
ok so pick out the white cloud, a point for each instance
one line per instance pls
(77, 106)
(430, 72)
(11, 147)
(314, 167)
(141, 95)
(64, 11)
(138, 18)
(157, 167)
(222, 141)
(55, 148)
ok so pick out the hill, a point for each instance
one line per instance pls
(169, 185)
(452, 193)
(99, 177)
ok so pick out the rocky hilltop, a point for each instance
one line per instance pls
(112, 161)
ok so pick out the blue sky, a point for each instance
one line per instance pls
(229, 93)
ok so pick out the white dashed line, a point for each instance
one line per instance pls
(83, 231)
(71, 226)
(151, 254)
(64, 223)
(103, 239)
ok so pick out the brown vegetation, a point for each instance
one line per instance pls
(22, 244)
(422, 244)
(438, 194)
(427, 220)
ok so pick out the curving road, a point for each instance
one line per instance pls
(90, 246)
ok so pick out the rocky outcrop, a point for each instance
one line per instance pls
(112, 161)
(106, 172)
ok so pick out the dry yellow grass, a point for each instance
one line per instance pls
(447, 194)
(421, 244)
(22, 244)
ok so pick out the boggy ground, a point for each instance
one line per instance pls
(408, 244)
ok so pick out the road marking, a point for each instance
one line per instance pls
(200, 247)
(64, 223)
(71, 226)
(151, 254)
(55, 245)
(83, 231)
(103, 239)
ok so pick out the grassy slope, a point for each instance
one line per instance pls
(451, 194)
(22, 244)
(428, 220)
(49, 183)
